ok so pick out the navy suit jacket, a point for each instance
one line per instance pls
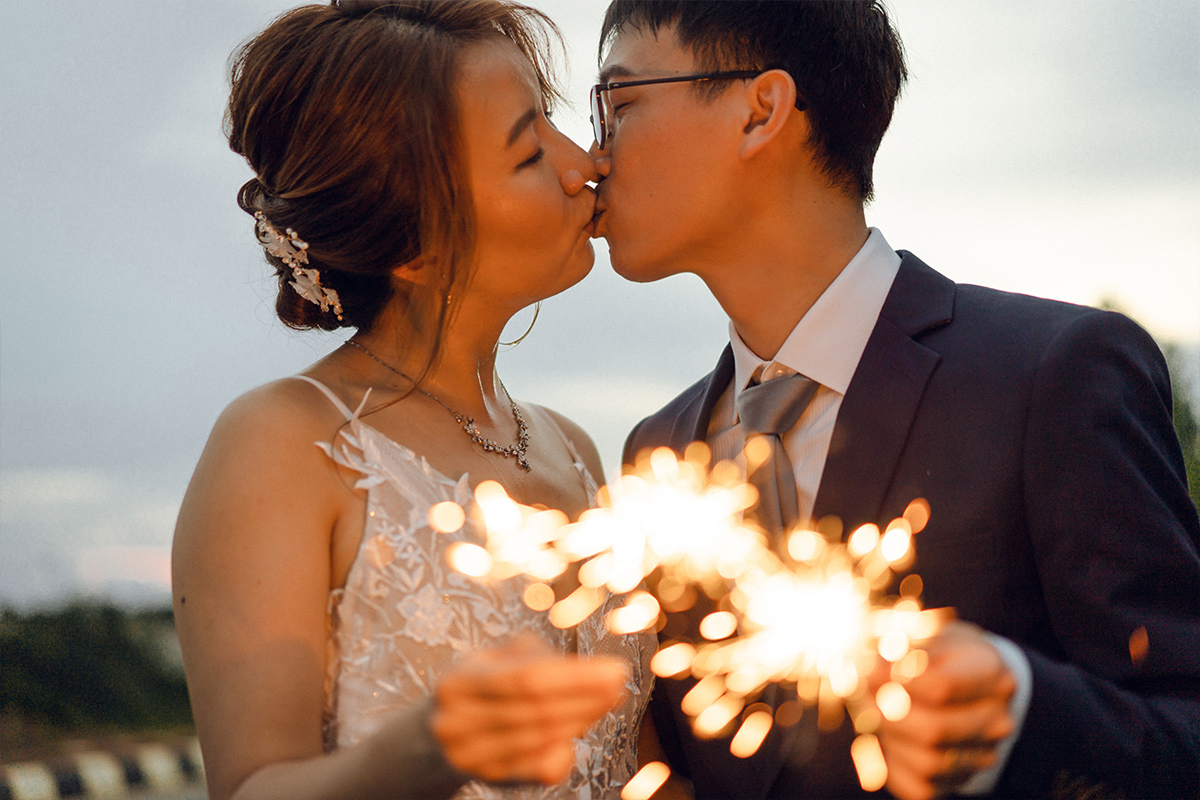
(1040, 433)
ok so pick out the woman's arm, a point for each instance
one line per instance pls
(251, 575)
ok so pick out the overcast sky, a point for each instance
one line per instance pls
(1048, 147)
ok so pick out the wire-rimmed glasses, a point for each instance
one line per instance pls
(600, 109)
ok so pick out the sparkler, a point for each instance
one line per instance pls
(814, 617)
(810, 612)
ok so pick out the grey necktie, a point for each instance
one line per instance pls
(770, 410)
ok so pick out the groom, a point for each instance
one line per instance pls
(1039, 432)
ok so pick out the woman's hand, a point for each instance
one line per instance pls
(512, 714)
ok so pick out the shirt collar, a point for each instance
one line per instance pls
(828, 342)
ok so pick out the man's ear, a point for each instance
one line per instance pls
(771, 102)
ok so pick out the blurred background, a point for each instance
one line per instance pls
(1049, 147)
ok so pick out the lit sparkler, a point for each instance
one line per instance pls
(674, 515)
(810, 613)
(815, 618)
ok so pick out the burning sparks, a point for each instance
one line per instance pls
(751, 734)
(718, 625)
(539, 596)
(809, 612)
(868, 761)
(893, 701)
(673, 660)
(640, 612)
(469, 559)
(447, 517)
(646, 782)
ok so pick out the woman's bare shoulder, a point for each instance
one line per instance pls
(269, 438)
(279, 412)
(580, 440)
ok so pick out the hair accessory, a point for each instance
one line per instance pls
(516, 451)
(292, 251)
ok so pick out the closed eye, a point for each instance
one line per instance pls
(535, 158)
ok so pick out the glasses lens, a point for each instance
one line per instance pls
(598, 126)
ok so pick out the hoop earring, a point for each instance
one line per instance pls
(537, 309)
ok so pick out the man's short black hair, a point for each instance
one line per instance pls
(844, 55)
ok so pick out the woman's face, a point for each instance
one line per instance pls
(533, 209)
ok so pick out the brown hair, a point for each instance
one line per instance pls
(347, 114)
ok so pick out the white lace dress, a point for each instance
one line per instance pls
(404, 617)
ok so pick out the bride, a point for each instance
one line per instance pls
(408, 186)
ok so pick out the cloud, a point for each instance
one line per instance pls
(1049, 92)
(65, 532)
(27, 494)
(103, 568)
(1137, 245)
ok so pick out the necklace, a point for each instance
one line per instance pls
(468, 425)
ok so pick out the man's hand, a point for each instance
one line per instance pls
(512, 714)
(959, 716)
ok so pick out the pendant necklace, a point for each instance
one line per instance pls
(516, 451)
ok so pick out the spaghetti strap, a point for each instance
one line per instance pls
(333, 398)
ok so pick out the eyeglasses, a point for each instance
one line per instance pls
(601, 110)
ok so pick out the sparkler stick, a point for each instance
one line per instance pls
(808, 612)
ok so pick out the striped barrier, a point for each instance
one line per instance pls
(101, 775)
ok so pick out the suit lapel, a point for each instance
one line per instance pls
(883, 397)
(692, 424)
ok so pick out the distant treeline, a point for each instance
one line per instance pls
(1187, 421)
(87, 671)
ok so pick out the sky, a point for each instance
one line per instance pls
(1049, 147)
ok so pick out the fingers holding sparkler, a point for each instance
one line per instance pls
(958, 717)
(513, 713)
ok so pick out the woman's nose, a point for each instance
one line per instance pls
(573, 181)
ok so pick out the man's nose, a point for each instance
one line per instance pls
(603, 159)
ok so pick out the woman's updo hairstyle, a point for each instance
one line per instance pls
(348, 115)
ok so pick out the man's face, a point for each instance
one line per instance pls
(663, 205)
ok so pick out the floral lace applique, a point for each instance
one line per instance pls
(404, 617)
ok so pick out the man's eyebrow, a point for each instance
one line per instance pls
(520, 125)
(615, 71)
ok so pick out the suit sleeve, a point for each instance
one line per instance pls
(1115, 536)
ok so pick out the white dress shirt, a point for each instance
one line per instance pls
(826, 346)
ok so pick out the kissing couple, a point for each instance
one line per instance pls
(409, 186)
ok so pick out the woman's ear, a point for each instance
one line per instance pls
(771, 104)
(417, 271)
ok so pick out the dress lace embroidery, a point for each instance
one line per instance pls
(404, 617)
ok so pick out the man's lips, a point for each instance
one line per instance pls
(596, 220)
